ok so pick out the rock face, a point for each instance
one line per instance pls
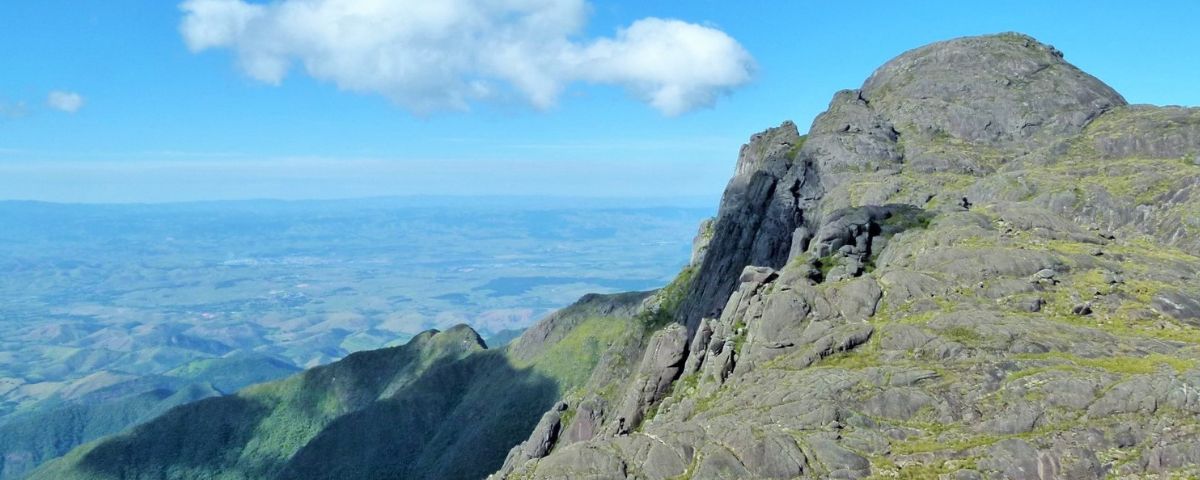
(981, 264)
(762, 206)
(1004, 91)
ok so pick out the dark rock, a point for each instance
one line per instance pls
(699, 350)
(851, 137)
(1014, 459)
(1144, 131)
(762, 207)
(999, 91)
(966, 474)
(1178, 454)
(661, 365)
(700, 242)
(1179, 306)
(757, 275)
(586, 422)
(1019, 418)
(898, 403)
(718, 463)
(840, 462)
(767, 455)
(545, 434)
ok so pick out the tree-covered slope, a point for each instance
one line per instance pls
(441, 406)
(55, 426)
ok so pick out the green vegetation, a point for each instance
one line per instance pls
(668, 300)
(795, 150)
(379, 413)
(1124, 365)
(116, 309)
(570, 360)
(961, 334)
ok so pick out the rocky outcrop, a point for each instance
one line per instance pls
(762, 206)
(981, 264)
(700, 243)
(1005, 92)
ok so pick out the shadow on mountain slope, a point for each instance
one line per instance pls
(457, 421)
(172, 446)
(441, 406)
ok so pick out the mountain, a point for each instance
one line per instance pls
(109, 404)
(983, 263)
(441, 406)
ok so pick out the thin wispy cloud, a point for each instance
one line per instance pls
(13, 110)
(446, 55)
(69, 102)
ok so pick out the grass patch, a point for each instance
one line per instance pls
(739, 336)
(1123, 365)
(927, 445)
(850, 360)
(1029, 372)
(570, 360)
(961, 334)
(669, 299)
(795, 150)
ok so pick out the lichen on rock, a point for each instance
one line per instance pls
(981, 264)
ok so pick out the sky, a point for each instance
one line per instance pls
(157, 101)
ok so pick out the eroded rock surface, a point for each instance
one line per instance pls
(981, 264)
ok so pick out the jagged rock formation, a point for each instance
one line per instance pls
(981, 264)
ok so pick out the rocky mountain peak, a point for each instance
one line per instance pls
(981, 264)
(962, 108)
(1005, 91)
(462, 335)
(768, 150)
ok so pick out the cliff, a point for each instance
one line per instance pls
(982, 263)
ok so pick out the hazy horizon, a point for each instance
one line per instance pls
(129, 101)
(533, 202)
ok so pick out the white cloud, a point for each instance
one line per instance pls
(69, 102)
(446, 54)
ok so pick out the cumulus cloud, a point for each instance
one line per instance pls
(69, 102)
(447, 54)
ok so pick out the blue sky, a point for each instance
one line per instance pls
(156, 120)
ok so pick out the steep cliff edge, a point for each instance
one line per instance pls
(983, 264)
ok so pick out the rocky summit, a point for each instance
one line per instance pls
(983, 263)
